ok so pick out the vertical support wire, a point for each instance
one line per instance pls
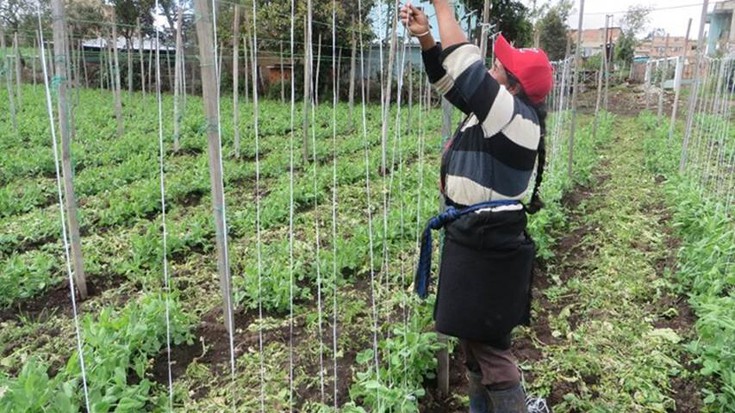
(230, 316)
(371, 242)
(259, 242)
(714, 126)
(722, 152)
(62, 215)
(166, 280)
(700, 119)
(291, 217)
(335, 96)
(698, 109)
(397, 149)
(721, 132)
(315, 165)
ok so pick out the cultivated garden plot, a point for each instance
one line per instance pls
(324, 205)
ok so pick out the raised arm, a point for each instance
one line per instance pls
(449, 30)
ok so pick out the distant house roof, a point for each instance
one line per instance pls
(147, 44)
(596, 37)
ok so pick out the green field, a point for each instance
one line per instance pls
(329, 245)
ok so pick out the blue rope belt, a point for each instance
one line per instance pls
(423, 271)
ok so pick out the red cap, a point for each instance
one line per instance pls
(530, 66)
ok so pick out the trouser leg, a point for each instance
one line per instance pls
(494, 379)
(496, 365)
(479, 399)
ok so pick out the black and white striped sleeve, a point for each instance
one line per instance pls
(464, 80)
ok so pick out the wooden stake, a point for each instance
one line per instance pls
(210, 95)
(140, 53)
(603, 67)
(282, 81)
(353, 69)
(387, 91)
(678, 79)
(235, 79)
(318, 68)
(61, 58)
(308, 91)
(168, 67)
(84, 63)
(246, 66)
(129, 58)
(33, 60)
(178, 87)
(9, 82)
(663, 73)
(18, 70)
(575, 89)
(116, 72)
(484, 31)
(695, 89)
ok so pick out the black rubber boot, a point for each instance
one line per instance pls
(479, 402)
(511, 400)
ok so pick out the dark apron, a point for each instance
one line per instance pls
(485, 277)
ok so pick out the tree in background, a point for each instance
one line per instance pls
(20, 16)
(509, 17)
(85, 18)
(552, 30)
(633, 23)
(128, 12)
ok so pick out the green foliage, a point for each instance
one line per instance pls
(625, 48)
(553, 31)
(24, 275)
(706, 272)
(511, 17)
(117, 347)
(408, 356)
(705, 269)
(661, 162)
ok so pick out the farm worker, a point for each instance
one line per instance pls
(486, 264)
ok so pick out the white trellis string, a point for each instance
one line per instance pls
(371, 241)
(230, 316)
(389, 192)
(701, 103)
(259, 243)
(401, 188)
(164, 245)
(721, 164)
(726, 110)
(387, 71)
(713, 178)
(335, 86)
(52, 127)
(317, 236)
(714, 111)
(291, 219)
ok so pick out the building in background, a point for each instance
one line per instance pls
(660, 47)
(721, 35)
(593, 40)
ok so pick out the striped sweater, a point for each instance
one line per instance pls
(492, 156)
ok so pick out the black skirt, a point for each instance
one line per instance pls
(485, 277)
